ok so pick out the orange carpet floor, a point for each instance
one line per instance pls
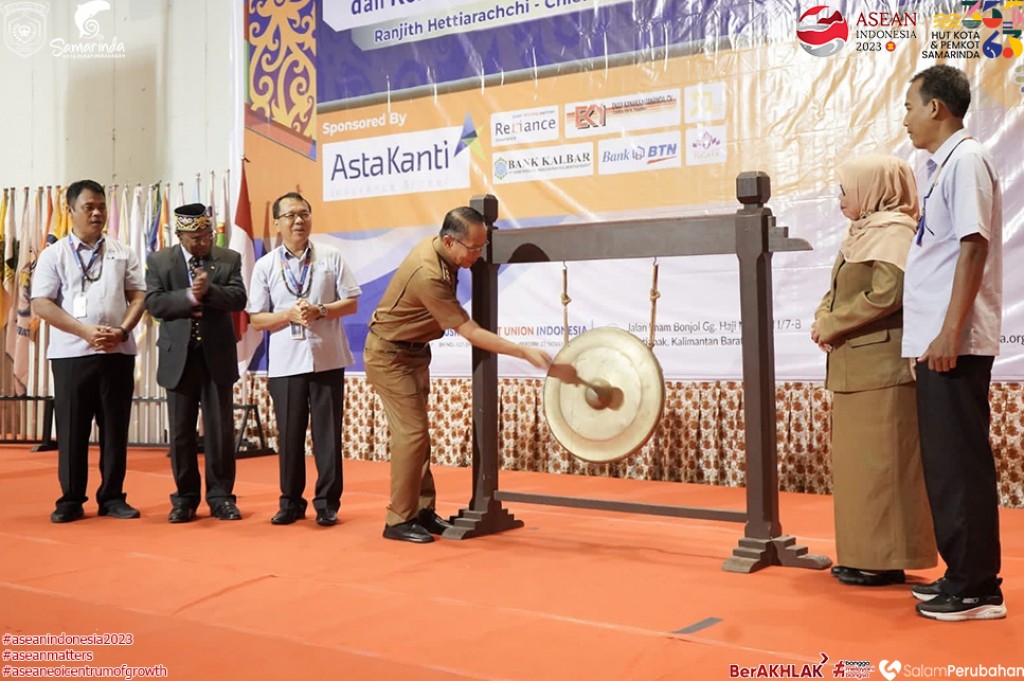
(572, 595)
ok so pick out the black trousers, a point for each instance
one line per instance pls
(195, 388)
(960, 472)
(323, 394)
(84, 388)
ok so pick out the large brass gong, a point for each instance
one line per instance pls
(604, 395)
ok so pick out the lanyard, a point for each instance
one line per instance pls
(87, 269)
(935, 180)
(298, 288)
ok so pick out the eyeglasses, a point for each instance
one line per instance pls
(473, 249)
(198, 236)
(292, 217)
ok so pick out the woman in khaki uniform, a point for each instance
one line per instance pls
(883, 522)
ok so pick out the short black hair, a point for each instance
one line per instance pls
(76, 188)
(457, 221)
(290, 195)
(947, 84)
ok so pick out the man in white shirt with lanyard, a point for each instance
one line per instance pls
(90, 290)
(952, 307)
(299, 292)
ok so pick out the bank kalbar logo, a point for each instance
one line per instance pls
(780, 671)
(853, 669)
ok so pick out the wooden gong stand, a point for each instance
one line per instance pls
(750, 233)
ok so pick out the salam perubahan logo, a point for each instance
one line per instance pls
(822, 31)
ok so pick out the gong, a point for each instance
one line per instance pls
(604, 395)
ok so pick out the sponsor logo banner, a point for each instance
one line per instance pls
(705, 145)
(639, 154)
(524, 126)
(406, 163)
(544, 163)
(640, 111)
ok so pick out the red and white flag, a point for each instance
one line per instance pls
(241, 241)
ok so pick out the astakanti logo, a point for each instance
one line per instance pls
(822, 31)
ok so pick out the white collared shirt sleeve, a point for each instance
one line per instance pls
(259, 286)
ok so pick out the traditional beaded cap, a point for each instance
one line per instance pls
(191, 217)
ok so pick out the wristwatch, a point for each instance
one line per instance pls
(323, 310)
(124, 333)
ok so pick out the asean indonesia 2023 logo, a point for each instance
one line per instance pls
(822, 31)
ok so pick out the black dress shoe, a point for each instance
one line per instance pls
(326, 517)
(67, 514)
(181, 514)
(431, 522)
(870, 578)
(119, 509)
(226, 510)
(287, 516)
(839, 570)
(408, 531)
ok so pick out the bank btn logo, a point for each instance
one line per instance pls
(822, 31)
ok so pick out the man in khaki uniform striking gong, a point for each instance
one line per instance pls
(417, 307)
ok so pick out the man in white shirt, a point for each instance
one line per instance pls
(90, 290)
(952, 307)
(299, 293)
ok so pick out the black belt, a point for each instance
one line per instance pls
(411, 346)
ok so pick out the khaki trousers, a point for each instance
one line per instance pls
(401, 377)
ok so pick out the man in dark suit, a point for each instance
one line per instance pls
(192, 288)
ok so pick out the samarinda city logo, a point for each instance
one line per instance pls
(90, 43)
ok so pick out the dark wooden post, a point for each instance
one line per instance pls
(763, 543)
(485, 513)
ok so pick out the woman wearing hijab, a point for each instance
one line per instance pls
(883, 522)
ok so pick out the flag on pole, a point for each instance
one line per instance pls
(59, 230)
(46, 226)
(223, 215)
(22, 325)
(153, 219)
(218, 217)
(113, 215)
(165, 222)
(242, 241)
(9, 264)
(3, 249)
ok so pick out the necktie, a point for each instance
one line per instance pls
(196, 267)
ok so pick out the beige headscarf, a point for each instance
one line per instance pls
(882, 190)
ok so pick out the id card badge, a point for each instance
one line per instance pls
(298, 331)
(79, 306)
